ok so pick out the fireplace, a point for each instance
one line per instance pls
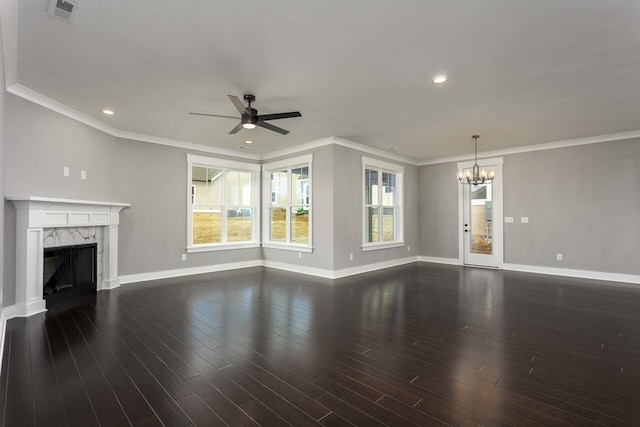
(69, 271)
(43, 222)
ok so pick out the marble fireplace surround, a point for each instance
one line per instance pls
(48, 222)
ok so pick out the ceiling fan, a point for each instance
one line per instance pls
(249, 116)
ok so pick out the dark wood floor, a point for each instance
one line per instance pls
(415, 345)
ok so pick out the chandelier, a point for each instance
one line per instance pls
(476, 176)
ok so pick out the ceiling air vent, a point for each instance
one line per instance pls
(63, 9)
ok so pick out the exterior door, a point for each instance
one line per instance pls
(481, 218)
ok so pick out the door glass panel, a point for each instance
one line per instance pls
(481, 219)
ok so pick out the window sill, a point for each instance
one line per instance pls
(221, 247)
(288, 247)
(377, 246)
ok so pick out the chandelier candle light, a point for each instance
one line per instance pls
(476, 176)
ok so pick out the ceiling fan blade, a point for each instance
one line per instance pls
(239, 105)
(279, 116)
(236, 129)
(272, 127)
(214, 115)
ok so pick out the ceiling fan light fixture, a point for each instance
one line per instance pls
(248, 122)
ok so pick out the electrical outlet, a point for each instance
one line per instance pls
(83, 174)
(184, 257)
(65, 171)
(350, 257)
(559, 257)
(524, 220)
(299, 255)
(408, 248)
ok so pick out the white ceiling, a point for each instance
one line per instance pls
(522, 71)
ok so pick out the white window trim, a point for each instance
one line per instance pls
(399, 171)
(266, 188)
(212, 162)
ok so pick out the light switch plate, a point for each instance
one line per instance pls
(508, 219)
(65, 171)
(83, 174)
(524, 220)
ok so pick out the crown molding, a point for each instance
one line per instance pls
(375, 151)
(9, 24)
(537, 147)
(53, 105)
(182, 144)
(342, 142)
(58, 107)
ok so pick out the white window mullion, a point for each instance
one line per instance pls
(223, 208)
(288, 207)
(380, 206)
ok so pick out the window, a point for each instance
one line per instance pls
(287, 212)
(222, 208)
(382, 204)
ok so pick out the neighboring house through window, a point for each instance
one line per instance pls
(223, 204)
(287, 211)
(382, 204)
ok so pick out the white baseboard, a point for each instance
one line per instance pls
(439, 260)
(311, 271)
(337, 274)
(581, 274)
(167, 274)
(3, 333)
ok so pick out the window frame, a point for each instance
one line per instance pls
(383, 167)
(224, 165)
(277, 166)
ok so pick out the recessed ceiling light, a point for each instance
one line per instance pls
(108, 112)
(248, 142)
(440, 79)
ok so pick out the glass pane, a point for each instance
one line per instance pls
(481, 219)
(389, 224)
(206, 186)
(207, 226)
(238, 188)
(278, 229)
(388, 189)
(370, 187)
(279, 188)
(300, 186)
(238, 225)
(300, 224)
(372, 225)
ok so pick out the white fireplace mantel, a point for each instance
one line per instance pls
(34, 214)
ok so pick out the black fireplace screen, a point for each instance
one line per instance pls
(69, 267)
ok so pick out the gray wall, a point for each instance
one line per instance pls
(438, 210)
(153, 232)
(347, 211)
(323, 171)
(585, 204)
